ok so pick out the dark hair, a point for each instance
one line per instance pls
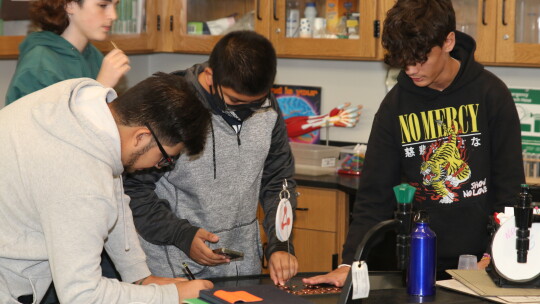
(245, 62)
(169, 105)
(51, 15)
(413, 27)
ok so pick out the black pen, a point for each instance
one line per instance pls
(189, 274)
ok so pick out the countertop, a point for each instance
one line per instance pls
(385, 287)
(345, 183)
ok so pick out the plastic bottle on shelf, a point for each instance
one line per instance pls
(332, 18)
(353, 26)
(310, 12)
(293, 19)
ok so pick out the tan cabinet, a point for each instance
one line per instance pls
(9, 46)
(320, 228)
(364, 47)
(507, 32)
(269, 19)
(137, 43)
(518, 32)
(131, 44)
(192, 13)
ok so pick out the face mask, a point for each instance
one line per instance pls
(220, 103)
(217, 100)
(253, 106)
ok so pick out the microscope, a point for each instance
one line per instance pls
(515, 246)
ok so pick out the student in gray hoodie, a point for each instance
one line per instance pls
(64, 149)
(211, 201)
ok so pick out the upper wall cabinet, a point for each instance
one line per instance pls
(333, 29)
(341, 29)
(478, 18)
(9, 46)
(144, 41)
(518, 32)
(506, 31)
(201, 23)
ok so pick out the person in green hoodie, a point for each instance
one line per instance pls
(61, 50)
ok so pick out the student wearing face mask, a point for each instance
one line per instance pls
(211, 201)
(61, 50)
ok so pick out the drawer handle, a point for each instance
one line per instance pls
(302, 209)
(484, 12)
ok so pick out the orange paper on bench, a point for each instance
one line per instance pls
(236, 296)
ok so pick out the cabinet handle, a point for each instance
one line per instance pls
(302, 209)
(504, 13)
(275, 16)
(158, 23)
(376, 29)
(258, 10)
(484, 12)
(171, 20)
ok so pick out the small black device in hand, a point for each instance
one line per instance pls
(230, 254)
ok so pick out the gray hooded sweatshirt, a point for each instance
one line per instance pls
(62, 200)
(217, 191)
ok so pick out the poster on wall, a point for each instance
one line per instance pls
(299, 104)
(528, 108)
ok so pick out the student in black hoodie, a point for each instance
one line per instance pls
(449, 128)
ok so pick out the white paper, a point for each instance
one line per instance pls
(360, 280)
(456, 285)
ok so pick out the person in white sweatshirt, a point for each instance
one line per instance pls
(63, 150)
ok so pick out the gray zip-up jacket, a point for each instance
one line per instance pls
(62, 200)
(217, 191)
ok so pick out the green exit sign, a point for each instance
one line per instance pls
(528, 108)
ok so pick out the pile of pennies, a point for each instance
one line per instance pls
(310, 289)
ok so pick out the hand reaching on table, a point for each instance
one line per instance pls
(191, 289)
(336, 277)
(283, 266)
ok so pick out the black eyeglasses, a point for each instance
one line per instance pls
(166, 160)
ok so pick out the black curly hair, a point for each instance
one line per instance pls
(413, 27)
(170, 106)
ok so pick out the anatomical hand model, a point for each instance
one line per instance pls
(344, 115)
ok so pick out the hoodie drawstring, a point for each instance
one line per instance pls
(126, 241)
(34, 297)
(213, 147)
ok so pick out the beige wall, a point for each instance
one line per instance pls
(358, 82)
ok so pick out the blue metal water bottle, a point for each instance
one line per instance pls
(423, 258)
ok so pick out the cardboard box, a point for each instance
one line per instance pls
(335, 9)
